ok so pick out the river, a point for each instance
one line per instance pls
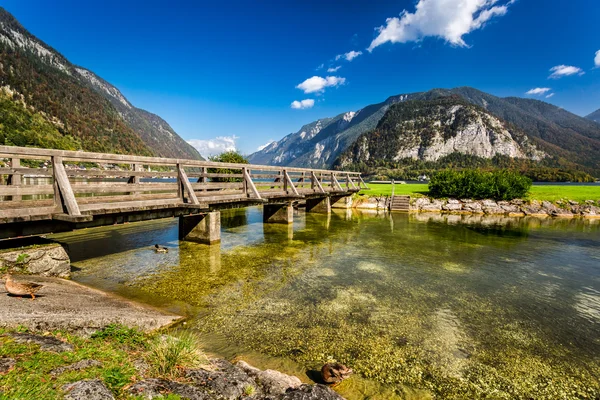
(420, 306)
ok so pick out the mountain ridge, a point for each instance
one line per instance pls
(568, 138)
(76, 101)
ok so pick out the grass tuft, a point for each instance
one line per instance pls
(168, 355)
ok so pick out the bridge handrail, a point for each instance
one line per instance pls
(250, 182)
(84, 156)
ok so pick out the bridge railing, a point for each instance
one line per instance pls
(73, 185)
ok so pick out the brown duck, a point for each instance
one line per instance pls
(21, 288)
(334, 373)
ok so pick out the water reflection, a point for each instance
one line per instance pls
(418, 304)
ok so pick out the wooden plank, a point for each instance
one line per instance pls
(64, 186)
(187, 186)
(72, 218)
(250, 184)
(26, 171)
(129, 205)
(290, 183)
(119, 174)
(5, 205)
(218, 185)
(212, 175)
(26, 212)
(116, 187)
(25, 190)
(121, 198)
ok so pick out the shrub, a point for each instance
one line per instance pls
(169, 353)
(232, 156)
(476, 184)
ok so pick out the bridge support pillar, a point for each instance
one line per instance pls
(341, 202)
(201, 228)
(320, 205)
(278, 213)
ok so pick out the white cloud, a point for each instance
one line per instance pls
(303, 104)
(349, 56)
(538, 90)
(597, 59)
(211, 147)
(564, 70)
(265, 145)
(334, 69)
(550, 95)
(446, 19)
(317, 84)
(321, 67)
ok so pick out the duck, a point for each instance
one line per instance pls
(161, 249)
(334, 373)
(21, 288)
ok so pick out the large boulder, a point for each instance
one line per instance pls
(230, 382)
(311, 392)
(157, 388)
(45, 260)
(272, 382)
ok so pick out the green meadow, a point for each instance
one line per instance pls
(541, 192)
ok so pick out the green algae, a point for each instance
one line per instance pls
(419, 306)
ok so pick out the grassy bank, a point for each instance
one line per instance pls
(117, 348)
(542, 192)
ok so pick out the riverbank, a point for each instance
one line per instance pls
(71, 307)
(549, 192)
(124, 363)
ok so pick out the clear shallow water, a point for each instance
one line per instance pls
(420, 306)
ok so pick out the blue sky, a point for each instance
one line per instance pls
(229, 72)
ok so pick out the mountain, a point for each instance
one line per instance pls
(319, 143)
(430, 130)
(569, 141)
(75, 108)
(595, 116)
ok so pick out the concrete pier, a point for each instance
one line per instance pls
(201, 228)
(320, 205)
(344, 202)
(278, 213)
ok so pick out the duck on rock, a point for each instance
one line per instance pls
(21, 288)
(334, 373)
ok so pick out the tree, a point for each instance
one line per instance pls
(232, 156)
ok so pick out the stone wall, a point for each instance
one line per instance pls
(513, 208)
(45, 260)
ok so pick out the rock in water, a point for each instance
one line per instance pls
(311, 392)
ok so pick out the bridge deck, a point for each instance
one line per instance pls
(76, 187)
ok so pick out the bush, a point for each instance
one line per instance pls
(227, 157)
(476, 184)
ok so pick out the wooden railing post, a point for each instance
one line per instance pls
(202, 178)
(63, 193)
(288, 182)
(15, 179)
(316, 182)
(184, 186)
(248, 183)
(285, 182)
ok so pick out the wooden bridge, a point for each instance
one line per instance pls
(46, 191)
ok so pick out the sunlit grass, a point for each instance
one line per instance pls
(537, 192)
